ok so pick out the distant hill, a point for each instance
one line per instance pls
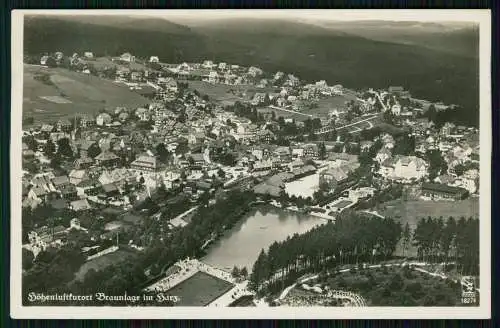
(311, 52)
(455, 38)
(112, 36)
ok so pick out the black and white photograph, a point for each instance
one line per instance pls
(251, 163)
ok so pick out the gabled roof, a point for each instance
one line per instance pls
(437, 187)
(39, 181)
(110, 187)
(337, 173)
(77, 174)
(39, 191)
(197, 157)
(106, 156)
(79, 205)
(145, 161)
(60, 180)
(86, 144)
(68, 189)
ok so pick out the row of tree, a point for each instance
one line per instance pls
(453, 240)
(353, 238)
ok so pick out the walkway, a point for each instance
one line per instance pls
(182, 215)
(347, 125)
(290, 111)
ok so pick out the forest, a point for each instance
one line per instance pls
(352, 239)
(449, 241)
(356, 239)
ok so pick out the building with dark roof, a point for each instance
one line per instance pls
(438, 191)
(107, 158)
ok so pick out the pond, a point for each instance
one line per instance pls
(260, 228)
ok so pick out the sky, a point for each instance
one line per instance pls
(193, 16)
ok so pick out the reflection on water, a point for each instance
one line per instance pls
(259, 229)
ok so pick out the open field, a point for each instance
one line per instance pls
(67, 93)
(412, 211)
(223, 93)
(325, 105)
(103, 261)
(199, 290)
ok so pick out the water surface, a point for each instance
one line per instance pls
(242, 244)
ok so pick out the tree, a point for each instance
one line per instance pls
(244, 272)
(349, 116)
(49, 149)
(388, 117)
(64, 147)
(235, 272)
(405, 145)
(31, 142)
(183, 175)
(431, 113)
(51, 62)
(27, 258)
(406, 238)
(437, 165)
(163, 153)
(322, 151)
(447, 237)
(55, 161)
(93, 150)
(221, 173)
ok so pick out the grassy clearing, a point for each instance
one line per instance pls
(199, 290)
(103, 261)
(223, 93)
(82, 93)
(412, 211)
(325, 105)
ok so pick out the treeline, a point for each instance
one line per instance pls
(353, 238)
(453, 240)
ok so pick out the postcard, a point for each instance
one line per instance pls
(309, 164)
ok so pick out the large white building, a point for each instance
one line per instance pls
(404, 168)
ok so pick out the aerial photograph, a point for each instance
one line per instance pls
(249, 160)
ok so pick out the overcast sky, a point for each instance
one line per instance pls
(184, 16)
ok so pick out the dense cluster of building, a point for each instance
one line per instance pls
(120, 156)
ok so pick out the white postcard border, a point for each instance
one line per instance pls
(18, 311)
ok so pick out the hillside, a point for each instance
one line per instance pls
(311, 52)
(110, 37)
(68, 93)
(452, 38)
